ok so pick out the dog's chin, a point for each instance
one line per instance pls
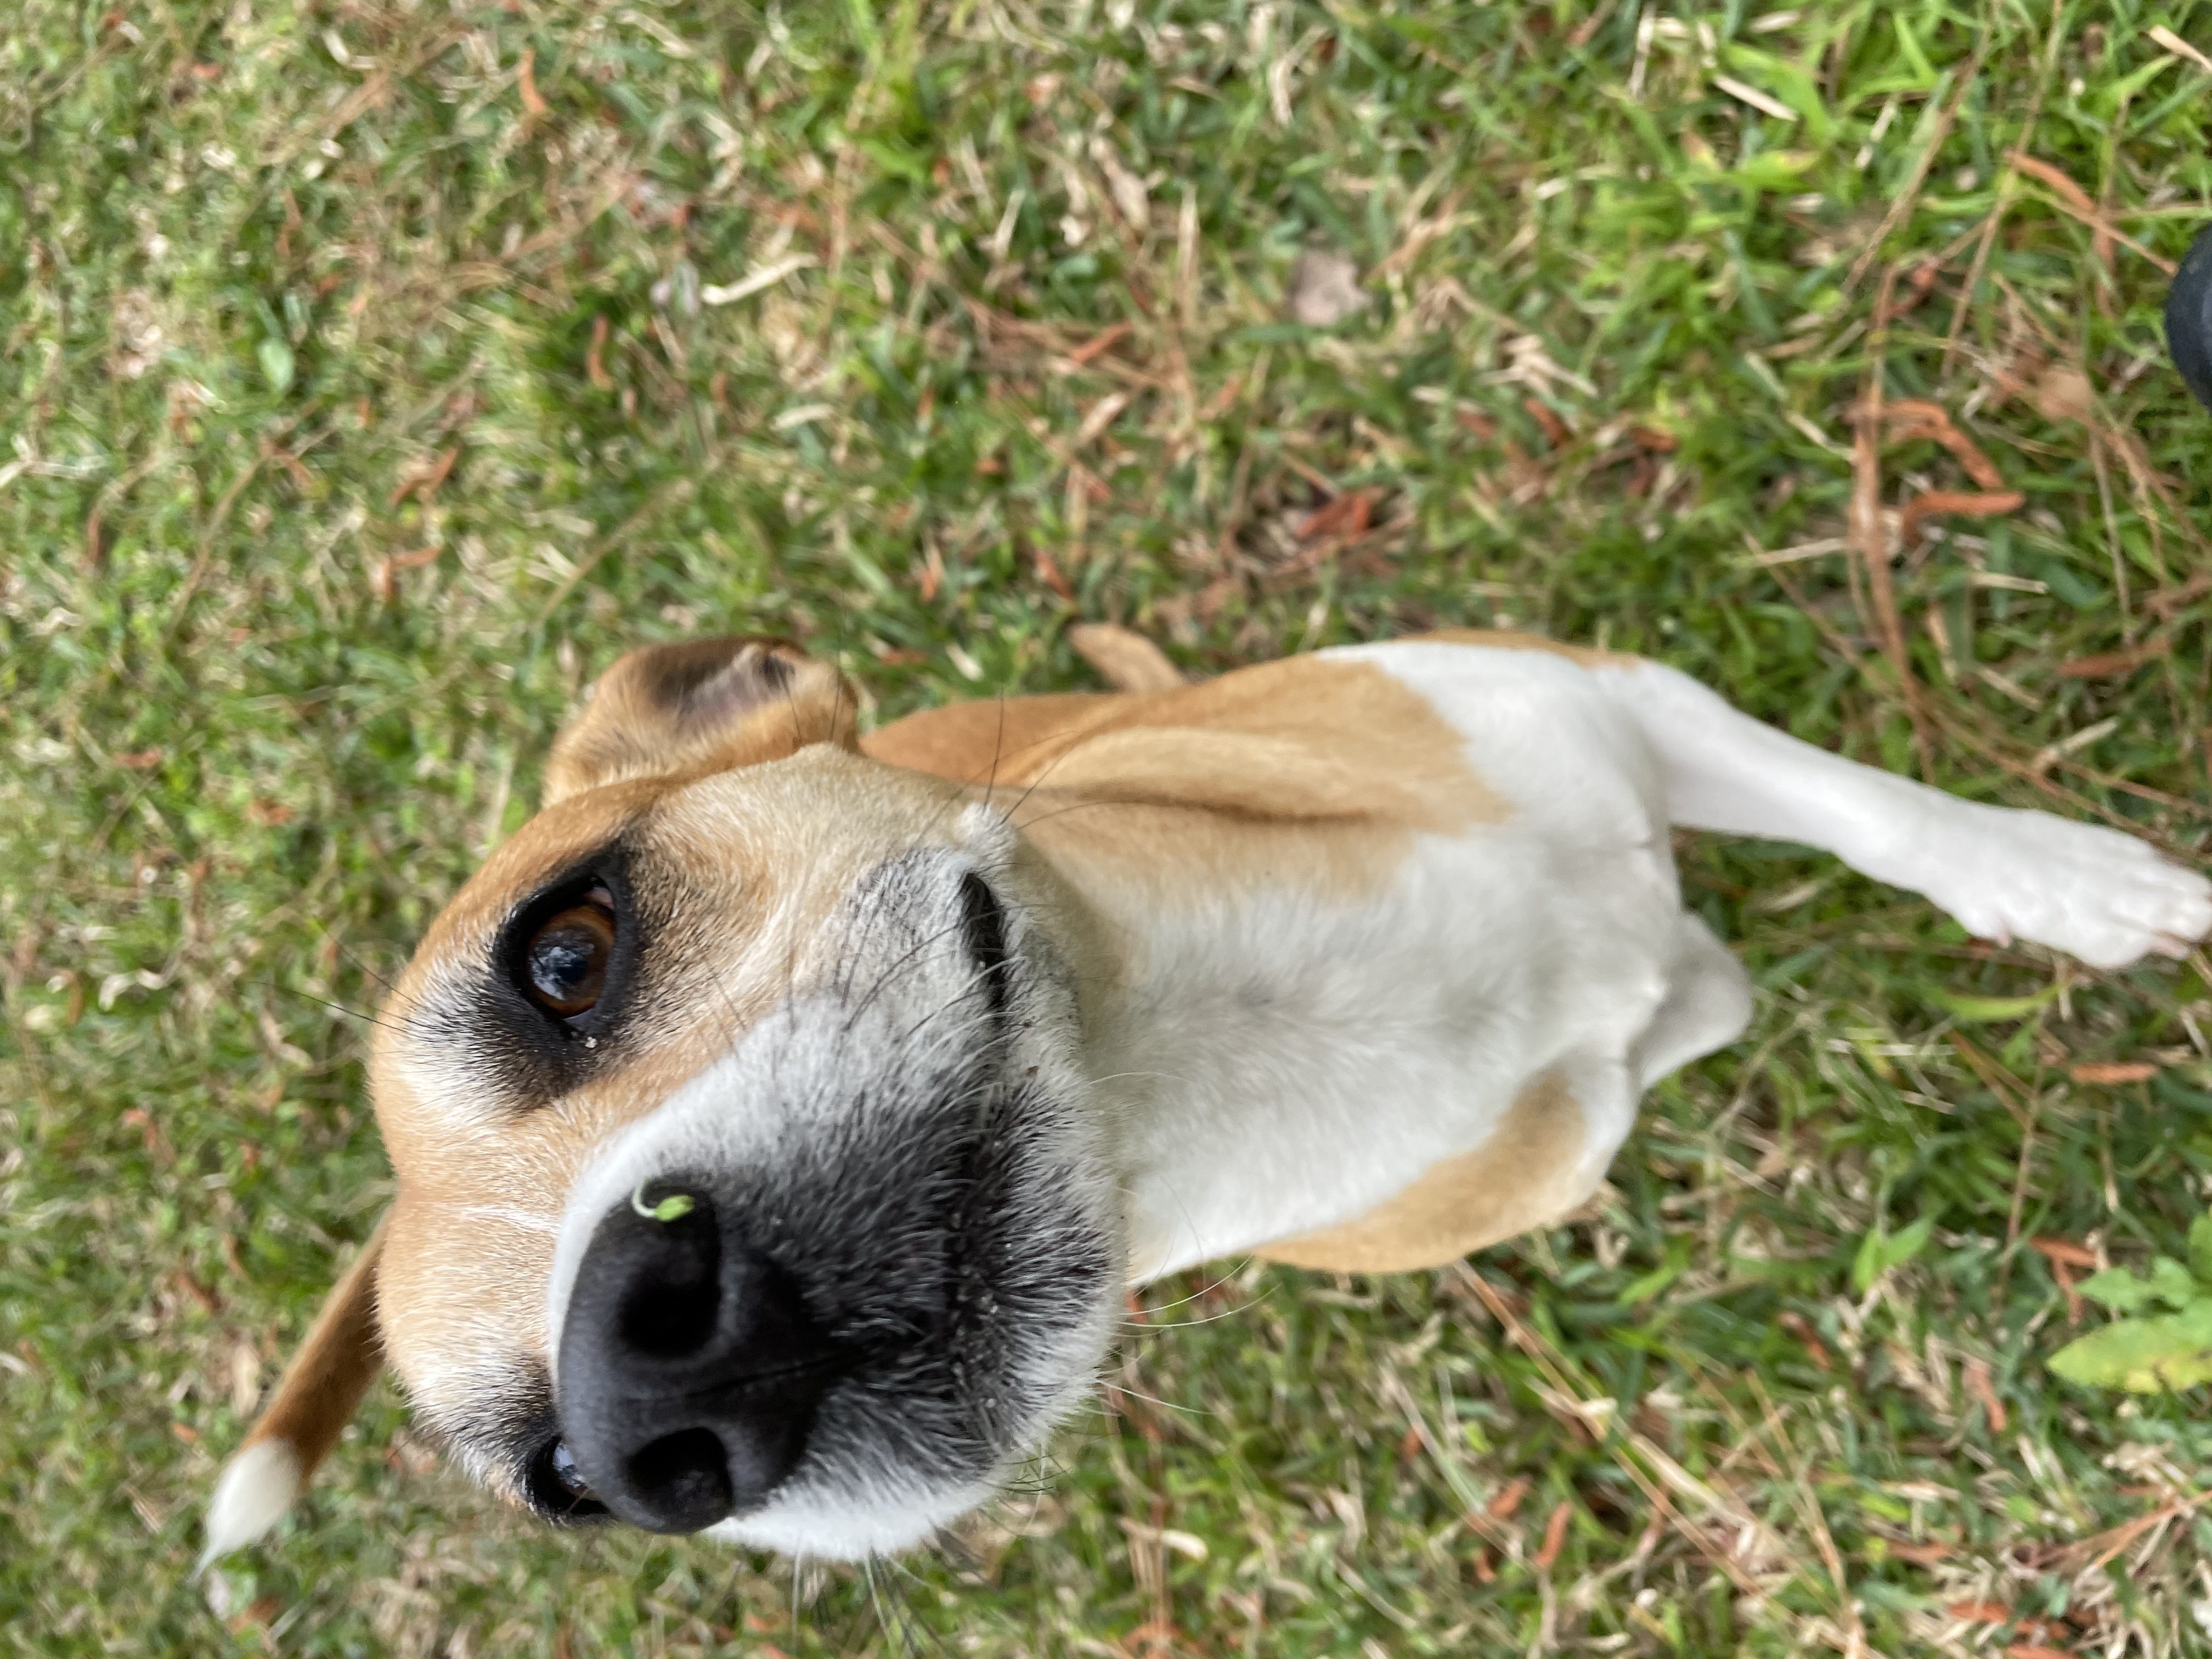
(845, 1526)
(991, 1360)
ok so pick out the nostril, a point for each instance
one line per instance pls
(668, 1322)
(684, 1480)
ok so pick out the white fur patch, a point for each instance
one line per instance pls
(257, 1487)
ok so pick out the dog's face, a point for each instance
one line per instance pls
(748, 1176)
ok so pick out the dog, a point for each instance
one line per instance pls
(780, 1115)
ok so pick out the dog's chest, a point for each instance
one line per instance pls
(1312, 1011)
(1283, 1062)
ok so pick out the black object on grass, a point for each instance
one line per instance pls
(2188, 318)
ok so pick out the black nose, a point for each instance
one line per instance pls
(689, 1370)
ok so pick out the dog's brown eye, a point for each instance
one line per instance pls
(566, 1472)
(566, 960)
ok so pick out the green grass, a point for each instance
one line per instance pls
(262, 267)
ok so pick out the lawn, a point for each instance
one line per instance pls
(373, 372)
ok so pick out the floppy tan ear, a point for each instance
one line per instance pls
(703, 705)
(314, 1402)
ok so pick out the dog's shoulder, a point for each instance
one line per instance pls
(1328, 736)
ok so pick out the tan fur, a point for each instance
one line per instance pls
(705, 706)
(1304, 773)
(331, 1369)
(1522, 1177)
(997, 743)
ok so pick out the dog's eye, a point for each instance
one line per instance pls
(556, 1488)
(565, 1470)
(565, 961)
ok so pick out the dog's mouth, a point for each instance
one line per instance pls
(725, 1356)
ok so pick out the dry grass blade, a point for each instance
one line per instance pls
(2075, 202)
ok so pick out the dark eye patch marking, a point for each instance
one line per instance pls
(559, 985)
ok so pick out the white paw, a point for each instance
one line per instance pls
(2094, 893)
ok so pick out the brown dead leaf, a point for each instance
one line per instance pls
(1347, 515)
(1979, 1613)
(1985, 504)
(1474, 421)
(139, 760)
(2066, 1259)
(1048, 571)
(1864, 535)
(2064, 394)
(2075, 201)
(2065, 1250)
(424, 481)
(1919, 418)
(1801, 1328)
(1983, 1386)
(149, 1131)
(2112, 1071)
(2110, 665)
(1556, 431)
(526, 78)
(255, 1617)
(1501, 1507)
(2166, 601)
(595, 369)
(1125, 659)
(1555, 1536)
(1921, 1555)
(2056, 178)
(384, 579)
(1097, 346)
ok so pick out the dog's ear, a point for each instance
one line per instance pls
(314, 1402)
(704, 705)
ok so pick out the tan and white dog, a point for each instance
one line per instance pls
(780, 1115)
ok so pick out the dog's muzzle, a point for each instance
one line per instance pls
(689, 1369)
